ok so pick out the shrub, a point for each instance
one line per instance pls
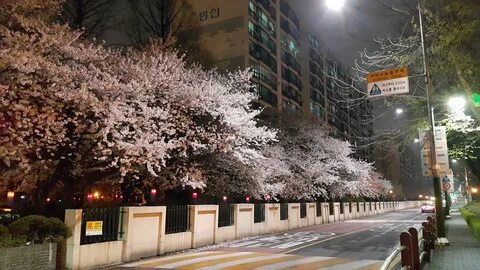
(476, 228)
(39, 229)
(7, 240)
(467, 215)
(474, 208)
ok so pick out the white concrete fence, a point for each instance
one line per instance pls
(144, 229)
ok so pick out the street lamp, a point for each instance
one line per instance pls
(399, 111)
(440, 219)
(474, 190)
(454, 160)
(416, 140)
(457, 104)
(335, 5)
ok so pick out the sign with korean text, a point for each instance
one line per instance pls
(94, 228)
(387, 82)
(441, 151)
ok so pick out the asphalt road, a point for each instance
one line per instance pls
(354, 244)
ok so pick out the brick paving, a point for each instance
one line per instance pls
(464, 250)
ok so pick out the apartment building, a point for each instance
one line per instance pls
(292, 69)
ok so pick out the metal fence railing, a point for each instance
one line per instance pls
(177, 219)
(258, 212)
(342, 208)
(331, 208)
(319, 209)
(226, 215)
(101, 225)
(283, 211)
(303, 210)
(350, 207)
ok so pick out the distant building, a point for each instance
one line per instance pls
(290, 65)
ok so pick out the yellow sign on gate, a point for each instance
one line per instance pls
(94, 228)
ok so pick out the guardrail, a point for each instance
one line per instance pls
(408, 256)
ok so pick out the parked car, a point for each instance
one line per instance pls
(7, 215)
(428, 207)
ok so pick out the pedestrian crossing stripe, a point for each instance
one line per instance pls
(222, 260)
(375, 91)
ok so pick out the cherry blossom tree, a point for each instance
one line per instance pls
(144, 113)
(319, 166)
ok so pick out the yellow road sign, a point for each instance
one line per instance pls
(387, 82)
(386, 75)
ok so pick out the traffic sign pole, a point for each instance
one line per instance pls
(440, 221)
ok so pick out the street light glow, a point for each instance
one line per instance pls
(335, 5)
(399, 111)
(474, 190)
(416, 140)
(454, 160)
(457, 104)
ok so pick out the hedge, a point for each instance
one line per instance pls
(33, 229)
(472, 220)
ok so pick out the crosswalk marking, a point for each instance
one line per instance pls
(293, 263)
(177, 264)
(154, 261)
(258, 263)
(320, 264)
(211, 263)
(223, 260)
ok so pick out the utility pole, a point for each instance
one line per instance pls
(440, 220)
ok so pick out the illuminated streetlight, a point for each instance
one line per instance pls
(399, 111)
(420, 196)
(10, 195)
(454, 160)
(391, 192)
(335, 5)
(416, 140)
(474, 190)
(457, 104)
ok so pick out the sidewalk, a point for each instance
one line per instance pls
(464, 250)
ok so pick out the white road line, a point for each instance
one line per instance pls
(242, 244)
(157, 259)
(283, 265)
(242, 261)
(381, 221)
(202, 259)
(350, 265)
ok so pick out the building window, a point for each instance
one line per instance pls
(251, 28)
(252, 7)
(316, 110)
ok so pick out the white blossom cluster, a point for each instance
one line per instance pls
(71, 105)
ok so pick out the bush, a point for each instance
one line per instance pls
(467, 215)
(476, 228)
(474, 208)
(7, 240)
(39, 229)
(472, 220)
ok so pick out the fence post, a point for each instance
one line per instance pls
(428, 238)
(61, 253)
(73, 220)
(415, 253)
(407, 258)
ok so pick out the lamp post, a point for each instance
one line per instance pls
(467, 186)
(337, 5)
